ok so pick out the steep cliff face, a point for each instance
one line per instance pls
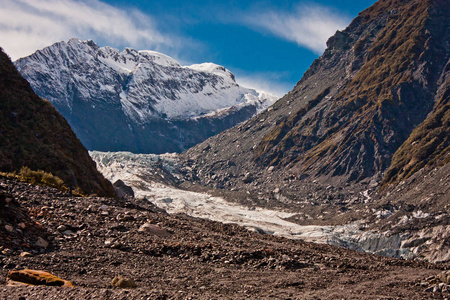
(427, 146)
(35, 135)
(356, 105)
(139, 101)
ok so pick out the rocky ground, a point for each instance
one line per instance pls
(91, 240)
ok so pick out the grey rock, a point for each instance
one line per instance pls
(9, 228)
(123, 190)
(154, 230)
(41, 243)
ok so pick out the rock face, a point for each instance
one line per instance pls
(356, 105)
(35, 135)
(138, 101)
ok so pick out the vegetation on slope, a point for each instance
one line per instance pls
(429, 144)
(356, 131)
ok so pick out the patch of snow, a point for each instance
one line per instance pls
(212, 68)
(159, 58)
(382, 213)
(420, 214)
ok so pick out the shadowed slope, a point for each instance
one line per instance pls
(35, 135)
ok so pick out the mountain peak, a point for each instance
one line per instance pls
(212, 68)
(146, 92)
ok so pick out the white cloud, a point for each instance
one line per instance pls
(28, 25)
(309, 26)
(271, 82)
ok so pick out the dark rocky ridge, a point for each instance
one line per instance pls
(428, 144)
(35, 135)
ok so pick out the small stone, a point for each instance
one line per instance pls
(22, 225)
(7, 251)
(124, 218)
(45, 208)
(438, 288)
(41, 243)
(248, 178)
(123, 282)
(9, 228)
(61, 228)
(109, 242)
(68, 232)
(154, 229)
(430, 289)
(26, 254)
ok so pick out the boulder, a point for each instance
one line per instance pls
(36, 277)
(154, 229)
(41, 243)
(444, 277)
(123, 282)
(123, 190)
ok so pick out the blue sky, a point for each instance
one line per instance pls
(267, 44)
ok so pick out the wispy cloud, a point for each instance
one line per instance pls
(271, 82)
(28, 25)
(308, 25)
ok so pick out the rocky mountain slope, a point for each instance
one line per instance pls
(35, 135)
(139, 101)
(92, 240)
(352, 110)
(366, 125)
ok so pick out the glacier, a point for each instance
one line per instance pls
(152, 177)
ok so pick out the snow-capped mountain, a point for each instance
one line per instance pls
(140, 101)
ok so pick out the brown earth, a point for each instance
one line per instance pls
(93, 240)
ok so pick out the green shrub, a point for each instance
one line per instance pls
(40, 177)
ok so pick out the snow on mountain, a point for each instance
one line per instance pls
(137, 89)
(154, 83)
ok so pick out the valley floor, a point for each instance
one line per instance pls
(93, 239)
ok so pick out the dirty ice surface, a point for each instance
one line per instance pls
(139, 171)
